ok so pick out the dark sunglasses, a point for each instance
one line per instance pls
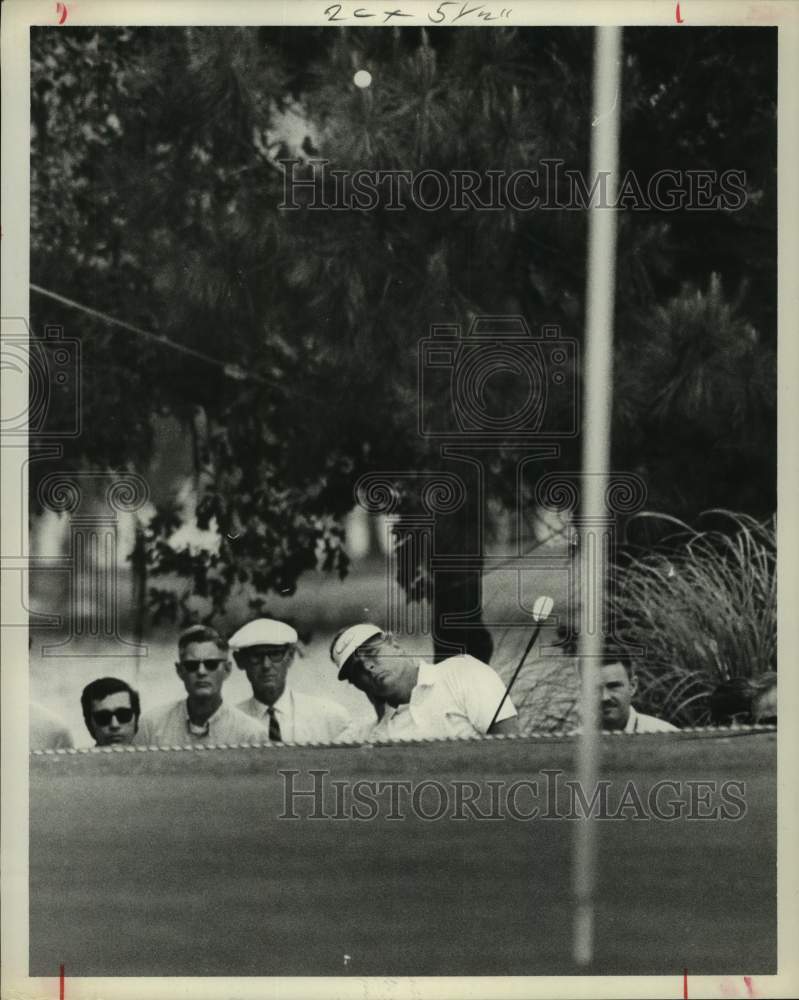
(275, 654)
(194, 665)
(104, 716)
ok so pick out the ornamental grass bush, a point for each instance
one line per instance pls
(703, 604)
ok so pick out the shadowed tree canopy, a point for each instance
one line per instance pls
(158, 159)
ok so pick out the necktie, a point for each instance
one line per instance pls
(274, 726)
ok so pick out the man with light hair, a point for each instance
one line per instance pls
(202, 717)
(456, 698)
(265, 649)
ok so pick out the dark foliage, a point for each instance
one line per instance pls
(156, 185)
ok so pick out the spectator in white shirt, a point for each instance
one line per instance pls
(202, 717)
(265, 649)
(416, 700)
(617, 687)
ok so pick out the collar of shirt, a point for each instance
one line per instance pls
(208, 722)
(632, 721)
(425, 679)
(282, 706)
(284, 713)
(426, 676)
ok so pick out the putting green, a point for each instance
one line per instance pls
(177, 863)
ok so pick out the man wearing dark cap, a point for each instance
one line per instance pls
(745, 701)
(202, 717)
(111, 711)
(456, 698)
(265, 649)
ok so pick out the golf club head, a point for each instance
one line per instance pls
(542, 608)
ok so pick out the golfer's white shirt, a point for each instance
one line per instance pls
(455, 698)
(637, 722)
(302, 718)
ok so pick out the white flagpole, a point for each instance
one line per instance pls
(598, 356)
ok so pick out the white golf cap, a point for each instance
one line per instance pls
(263, 632)
(349, 640)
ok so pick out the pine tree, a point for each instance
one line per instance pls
(156, 185)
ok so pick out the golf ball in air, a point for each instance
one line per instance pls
(362, 79)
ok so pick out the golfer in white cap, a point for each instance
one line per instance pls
(417, 700)
(265, 649)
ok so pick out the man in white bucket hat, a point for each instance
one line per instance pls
(265, 649)
(458, 697)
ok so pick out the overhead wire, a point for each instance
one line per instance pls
(230, 369)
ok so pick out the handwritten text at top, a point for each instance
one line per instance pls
(445, 12)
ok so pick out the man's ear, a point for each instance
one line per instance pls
(633, 684)
(227, 668)
(178, 670)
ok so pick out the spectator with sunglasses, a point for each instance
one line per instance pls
(202, 717)
(111, 711)
(265, 649)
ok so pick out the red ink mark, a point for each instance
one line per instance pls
(680, 19)
(61, 10)
(61, 982)
(749, 987)
(684, 971)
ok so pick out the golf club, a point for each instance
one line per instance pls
(541, 611)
